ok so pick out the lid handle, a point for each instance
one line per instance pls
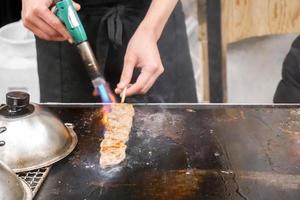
(16, 101)
(2, 129)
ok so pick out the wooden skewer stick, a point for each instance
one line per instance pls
(123, 95)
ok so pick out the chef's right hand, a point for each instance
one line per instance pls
(38, 18)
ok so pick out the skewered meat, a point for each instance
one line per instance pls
(118, 127)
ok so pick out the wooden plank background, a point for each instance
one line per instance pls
(247, 18)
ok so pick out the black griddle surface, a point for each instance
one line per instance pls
(184, 152)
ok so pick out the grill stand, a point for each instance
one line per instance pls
(35, 178)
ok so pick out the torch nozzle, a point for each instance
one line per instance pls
(94, 72)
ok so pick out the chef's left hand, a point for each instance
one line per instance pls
(142, 52)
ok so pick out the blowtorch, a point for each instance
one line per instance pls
(66, 12)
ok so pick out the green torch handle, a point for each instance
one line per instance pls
(66, 12)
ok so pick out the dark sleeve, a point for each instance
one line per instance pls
(10, 11)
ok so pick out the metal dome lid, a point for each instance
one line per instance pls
(11, 187)
(32, 137)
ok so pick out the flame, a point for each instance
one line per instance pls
(104, 118)
(95, 92)
(105, 93)
(106, 109)
(107, 97)
(112, 97)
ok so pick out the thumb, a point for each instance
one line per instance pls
(76, 5)
(129, 64)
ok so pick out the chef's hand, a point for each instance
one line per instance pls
(38, 18)
(142, 52)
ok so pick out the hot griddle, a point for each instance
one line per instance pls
(184, 152)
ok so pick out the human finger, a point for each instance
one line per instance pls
(54, 22)
(42, 25)
(76, 5)
(140, 83)
(152, 80)
(126, 75)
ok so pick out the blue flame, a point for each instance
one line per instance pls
(104, 94)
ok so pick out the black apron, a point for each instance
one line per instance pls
(288, 90)
(109, 27)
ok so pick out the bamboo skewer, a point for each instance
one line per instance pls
(123, 95)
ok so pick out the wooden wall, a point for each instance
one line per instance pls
(248, 18)
(243, 19)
